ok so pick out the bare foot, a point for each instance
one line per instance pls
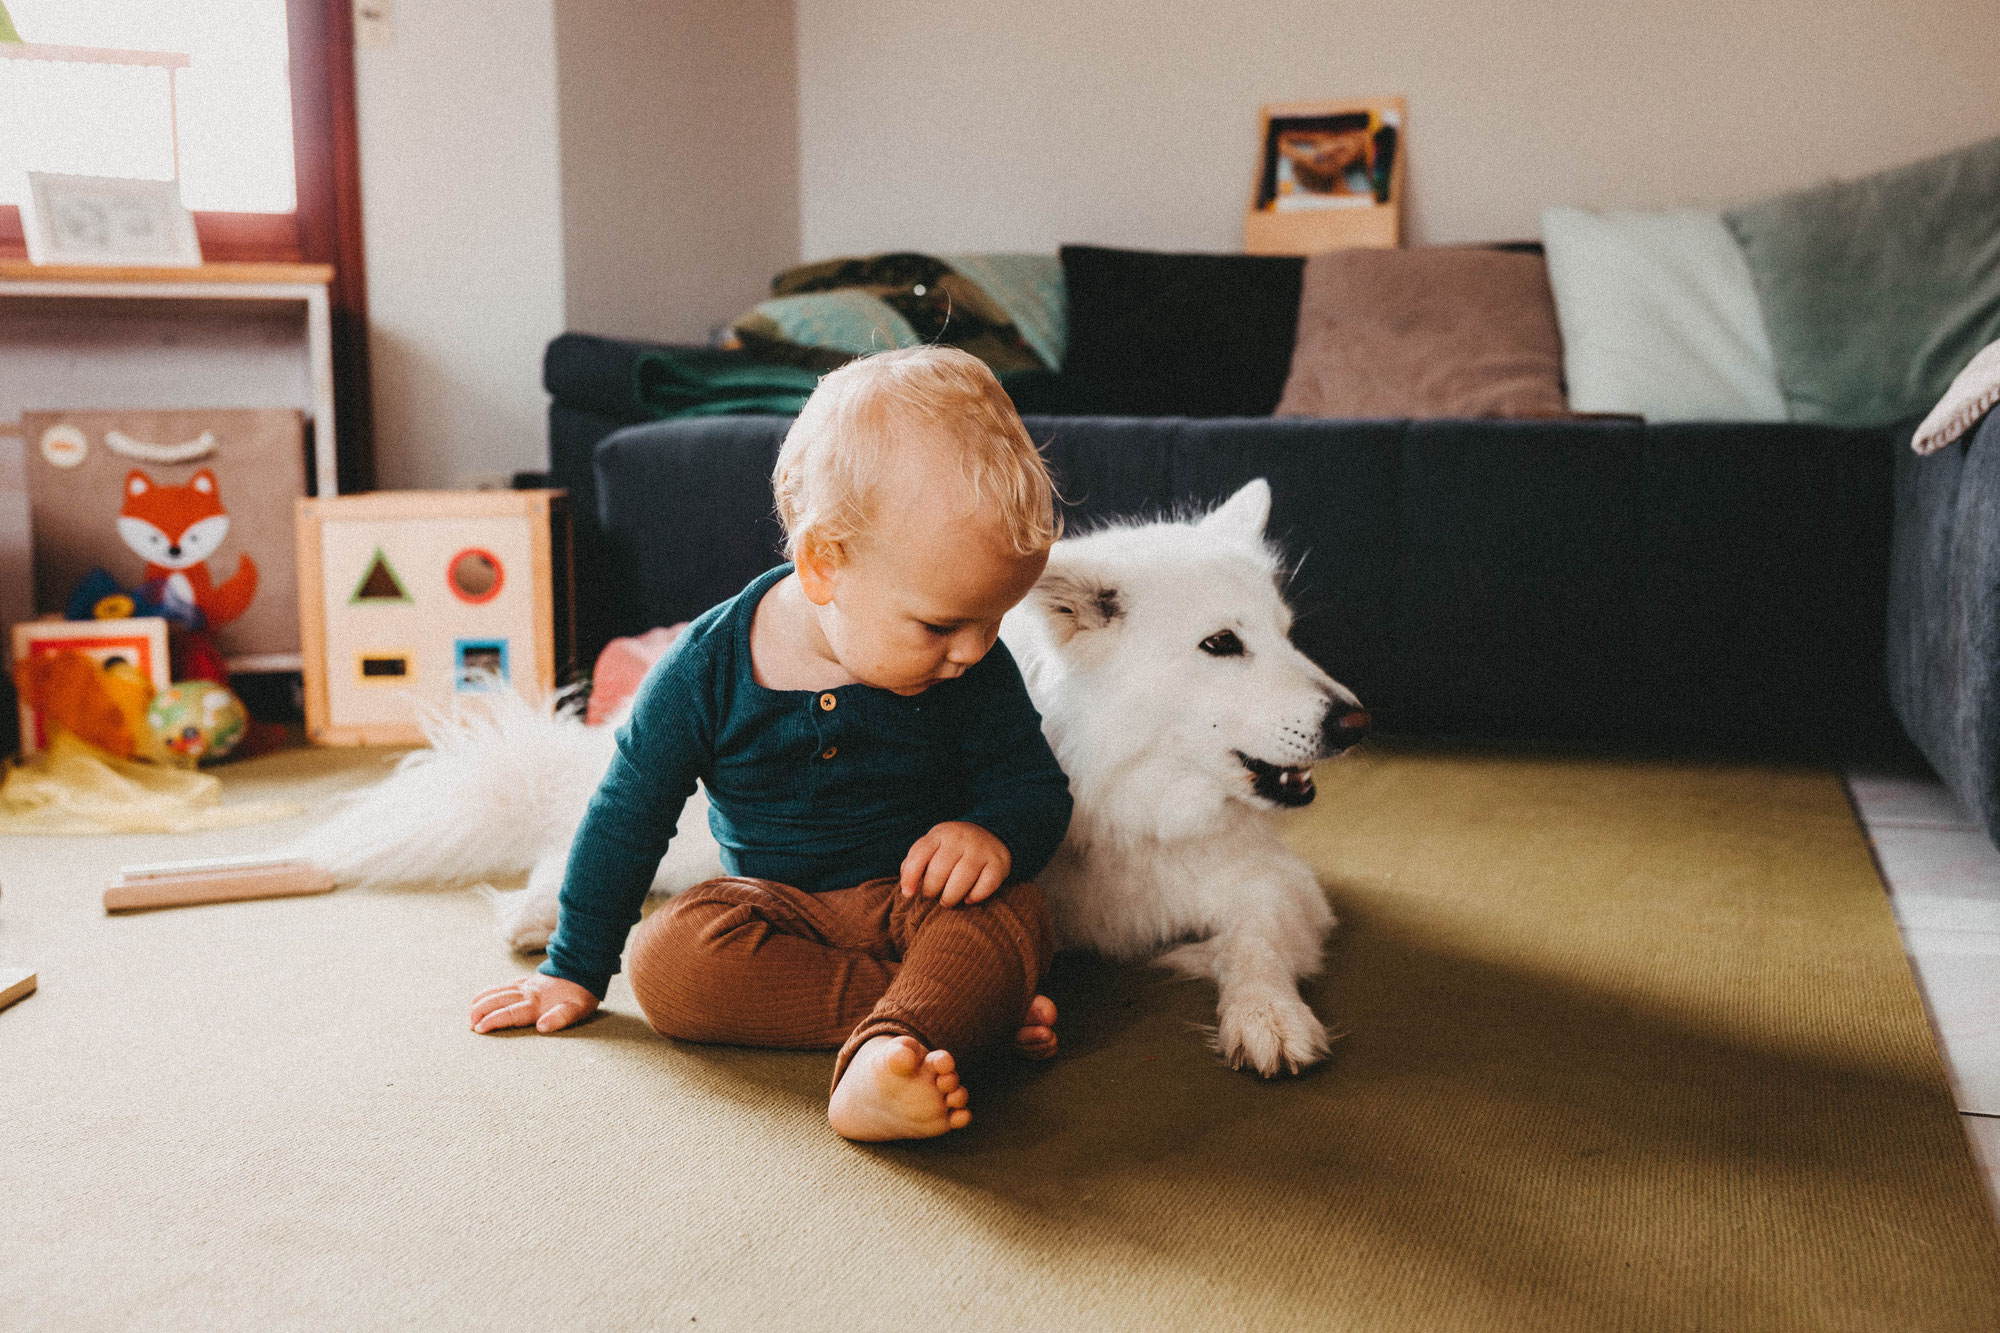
(895, 1089)
(1037, 1037)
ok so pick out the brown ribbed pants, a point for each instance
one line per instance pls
(751, 962)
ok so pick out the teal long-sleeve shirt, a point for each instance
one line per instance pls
(819, 789)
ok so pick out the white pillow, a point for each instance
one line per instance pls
(1659, 316)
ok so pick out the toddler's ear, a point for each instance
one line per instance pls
(818, 562)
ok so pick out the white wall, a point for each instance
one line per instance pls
(462, 221)
(680, 161)
(937, 125)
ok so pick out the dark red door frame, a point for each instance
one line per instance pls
(325, 229)
(327, 156)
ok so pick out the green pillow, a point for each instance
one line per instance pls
(849, 322)
(1878, 291)
(825, 314)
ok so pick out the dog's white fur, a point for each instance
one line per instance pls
(1171, 843)
(1172, 853)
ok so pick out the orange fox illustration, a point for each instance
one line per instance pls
(175, 529)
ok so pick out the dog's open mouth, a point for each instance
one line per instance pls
(1283, 786)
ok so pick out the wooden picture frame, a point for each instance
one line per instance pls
(412, 600)
(1331, 213)
(108, 222)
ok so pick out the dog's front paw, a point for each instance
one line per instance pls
(1270, 1033)
(523, 920)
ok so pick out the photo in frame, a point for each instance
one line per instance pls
(191, 506)
(1329, 176)
(108, 221)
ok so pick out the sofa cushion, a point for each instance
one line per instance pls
(824, 314)
(1030, 289)
(1878, 291)
(1434, 332)
(1708, 587)
(1659, 317)
(1192, 335)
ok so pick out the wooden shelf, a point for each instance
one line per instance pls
(91, 55)
(243, 286)
(19, 270)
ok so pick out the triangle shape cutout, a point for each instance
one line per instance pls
(380, 583)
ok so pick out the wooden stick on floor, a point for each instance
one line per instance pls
(16, 983)
(182, 883)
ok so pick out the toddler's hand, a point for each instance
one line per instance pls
(550, 1003)
(956, 862)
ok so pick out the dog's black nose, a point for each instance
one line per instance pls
(1343, 729)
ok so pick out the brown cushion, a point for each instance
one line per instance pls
(1438, 332)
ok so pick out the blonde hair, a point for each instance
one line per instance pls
(915, 397)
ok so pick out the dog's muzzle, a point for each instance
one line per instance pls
(1293, 786)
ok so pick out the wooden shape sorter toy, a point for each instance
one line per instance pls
(414, 600)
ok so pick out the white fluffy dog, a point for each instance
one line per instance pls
(1159, 658)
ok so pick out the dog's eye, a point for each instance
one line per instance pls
(1223, 643)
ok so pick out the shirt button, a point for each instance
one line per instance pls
(829, 752)
(826, 702)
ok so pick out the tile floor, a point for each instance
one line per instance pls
(1943, 874)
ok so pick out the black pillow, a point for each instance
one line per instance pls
(1178, 335)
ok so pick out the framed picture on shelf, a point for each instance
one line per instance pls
(1329, 177)
(108, 221)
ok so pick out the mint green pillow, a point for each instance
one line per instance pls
(1878, 291)
(1030, 289)
(1659, 316)
(848, 321)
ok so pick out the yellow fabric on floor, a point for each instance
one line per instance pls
(1629, 1046)
(72, 788)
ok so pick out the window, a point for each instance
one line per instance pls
(228, 112)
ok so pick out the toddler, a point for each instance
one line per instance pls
(877, 777)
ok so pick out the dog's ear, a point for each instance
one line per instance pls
(1241, 518)
(1074, 601)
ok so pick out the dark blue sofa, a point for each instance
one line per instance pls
(1719, 588)
(1944, 613)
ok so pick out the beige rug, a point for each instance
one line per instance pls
(1629, 1047)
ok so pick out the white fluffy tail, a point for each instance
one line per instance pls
(501, 788)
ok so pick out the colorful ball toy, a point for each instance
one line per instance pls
(198, 720)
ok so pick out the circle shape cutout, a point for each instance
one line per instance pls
(476, 575)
